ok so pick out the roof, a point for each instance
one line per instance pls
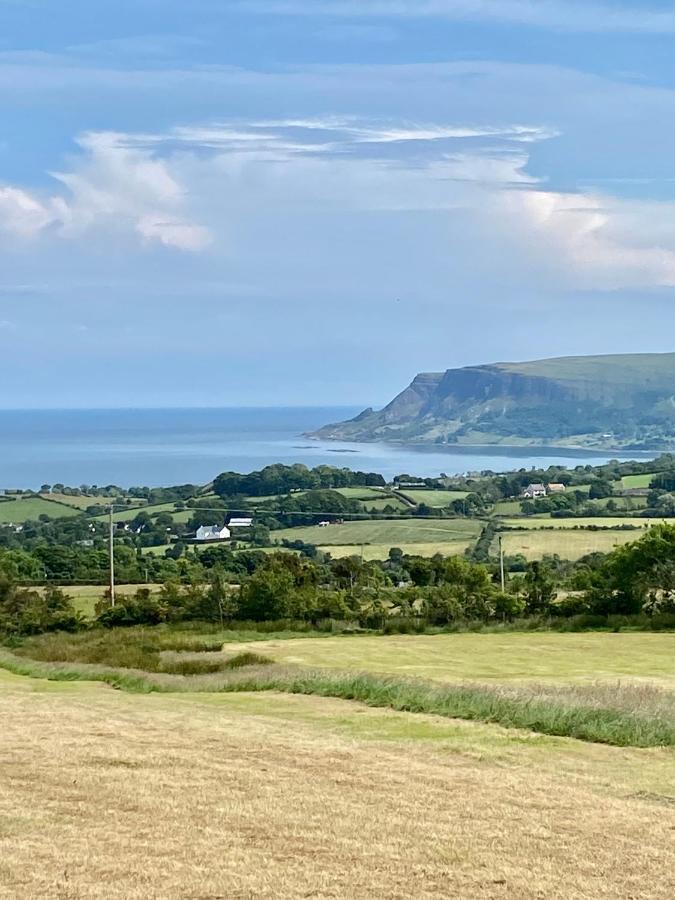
(241, 523)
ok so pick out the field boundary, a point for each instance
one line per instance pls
(539, 710)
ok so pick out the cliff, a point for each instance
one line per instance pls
(622, 401)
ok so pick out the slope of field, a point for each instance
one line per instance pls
(126, 515)
(544, 656)
(637, 481)
(590, 522)
(381, 503)
(31, 508)
(436, 499)
(381, 551)
(82, 501)
(565, 543)
(386, 533)
(267, 796)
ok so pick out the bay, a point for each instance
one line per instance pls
(153, 447)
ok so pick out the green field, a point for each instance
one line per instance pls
(31, 508)
(386, 533)
(381, 551)
(628, 504)
(275, 795)
(637, 481)
(126, 515)
(589, 522)
(86, 596)
(362, 493)
(437, 499)
(83, 502)
(565, 543)
(507, 508)
(381, 502)
(486, 657)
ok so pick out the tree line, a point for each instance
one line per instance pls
(635, 581)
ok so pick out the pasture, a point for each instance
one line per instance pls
(83, 501)
(127, 515)
(86, 596)
(386, 533)
(272, 795)
(590, 522)
(511, 656)
(565, 543)
(381, 551)
(437, 499)
(382, 502)
(642, 480)
(30, 508)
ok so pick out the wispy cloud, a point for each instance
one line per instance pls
(338, 135)
(193, 183)
(556, 14)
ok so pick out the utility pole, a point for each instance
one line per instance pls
(112, 557)
(501, 563)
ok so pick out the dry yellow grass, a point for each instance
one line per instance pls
(110, 795)
(565, 543)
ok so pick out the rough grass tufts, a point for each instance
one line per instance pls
(610, 714)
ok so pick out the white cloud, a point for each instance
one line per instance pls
(110, 186)
(22, 214)
(184, 187)
(569, 15)
(596, 241)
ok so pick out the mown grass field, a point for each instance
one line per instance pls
(272, 795)
(386, 533)
(381, 551)
(565, 543)
(380, 503)
(531, 656)
(637, 481)
(82, 502)
(436, 499)
(31, 508)
(126, 515)
(507, 508)
(590, 522)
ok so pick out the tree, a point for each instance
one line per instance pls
(538, 588)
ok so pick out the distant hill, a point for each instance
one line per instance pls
(619, 402)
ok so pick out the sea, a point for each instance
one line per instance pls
(153, 447)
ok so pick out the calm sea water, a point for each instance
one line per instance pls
(172, 446)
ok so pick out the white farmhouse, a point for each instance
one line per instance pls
(532, 491)
(212, 533)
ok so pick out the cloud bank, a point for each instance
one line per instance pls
(193, 185)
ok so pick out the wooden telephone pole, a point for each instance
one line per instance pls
(112, 556)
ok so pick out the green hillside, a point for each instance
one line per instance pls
(619, 402)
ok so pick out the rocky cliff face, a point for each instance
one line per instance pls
(574, 400)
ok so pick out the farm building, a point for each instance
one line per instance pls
(240, 522)
(532, 491)
(556, 488)
(212, 533)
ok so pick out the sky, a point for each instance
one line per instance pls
(306, 202)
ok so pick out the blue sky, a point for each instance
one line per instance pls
(308, 201)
